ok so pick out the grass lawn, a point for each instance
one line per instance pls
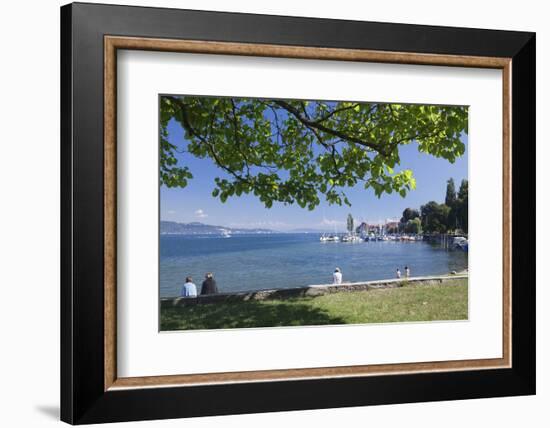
(408, 303)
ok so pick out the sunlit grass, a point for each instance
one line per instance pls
(407, 303)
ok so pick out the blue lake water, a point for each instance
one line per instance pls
(251, 262)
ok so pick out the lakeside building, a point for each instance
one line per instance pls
(389, 225)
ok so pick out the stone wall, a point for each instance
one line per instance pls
(309, 291)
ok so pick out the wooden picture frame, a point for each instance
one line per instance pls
(91, 390)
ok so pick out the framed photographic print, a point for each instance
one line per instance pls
(266, 213)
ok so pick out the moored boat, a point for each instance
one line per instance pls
(329, 238)
(460, 243)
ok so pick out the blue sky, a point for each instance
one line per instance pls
(195, 203)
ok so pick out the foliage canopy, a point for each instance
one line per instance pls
(293, 151)
(435, 217)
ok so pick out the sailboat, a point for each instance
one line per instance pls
(329, 238)
(333, 237)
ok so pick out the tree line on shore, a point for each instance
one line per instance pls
(448, 217)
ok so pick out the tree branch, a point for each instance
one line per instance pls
(187, 125)
(320, 127)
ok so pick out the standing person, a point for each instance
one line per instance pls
(398, 273)
(337, 276)
(407, 272)
(209, 285)
(189, 289)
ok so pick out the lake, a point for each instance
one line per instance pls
(285, 260)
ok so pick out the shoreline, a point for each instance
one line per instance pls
(311, 290)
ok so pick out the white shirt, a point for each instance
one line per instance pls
(189, 290)
(337, 276)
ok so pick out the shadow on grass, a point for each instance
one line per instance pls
(253, 313)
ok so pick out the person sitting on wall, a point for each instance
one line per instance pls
(337, 276)
(189, 288)
(209, 285)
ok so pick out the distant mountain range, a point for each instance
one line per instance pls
(196, 228)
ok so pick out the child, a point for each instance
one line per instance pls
(398, 273)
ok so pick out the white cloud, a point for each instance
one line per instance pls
(200, 214)
(329, 222)
(172, 212)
